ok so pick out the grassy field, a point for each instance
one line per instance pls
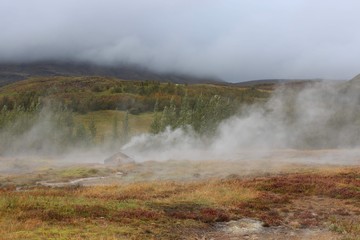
(104, 119)
(327, 199)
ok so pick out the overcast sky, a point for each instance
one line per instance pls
(235, 40)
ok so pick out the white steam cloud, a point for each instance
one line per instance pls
(317, 123)
(320, 116)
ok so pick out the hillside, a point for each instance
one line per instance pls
(87, 110)
(84, 93)
(12, 72)
(270, 84)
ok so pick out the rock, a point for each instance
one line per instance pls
(119, 159)
(243, 226)
(295, 224)
(196, 175)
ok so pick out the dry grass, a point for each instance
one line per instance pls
(104, 121)
(171, 210)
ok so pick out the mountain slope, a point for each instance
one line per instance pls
(16, 72)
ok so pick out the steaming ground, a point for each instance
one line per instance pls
(316, 124)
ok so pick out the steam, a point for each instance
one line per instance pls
(317, 123)
(317, 117)
(34, 137)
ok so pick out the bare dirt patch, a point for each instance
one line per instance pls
(304, 218)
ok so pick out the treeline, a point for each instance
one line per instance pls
(203, 115)
(40, 113)
(53, 128)
(88, 94)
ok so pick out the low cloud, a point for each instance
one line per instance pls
(233, 40)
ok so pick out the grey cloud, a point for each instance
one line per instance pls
(234, 40)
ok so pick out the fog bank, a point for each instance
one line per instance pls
(233, 40)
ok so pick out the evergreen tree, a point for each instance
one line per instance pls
(126, 127)
(212, 115)
(115, 128)
(185, 113)
(80, 134)
(155, 126)
(3, 116)
(165, 119)
(92, 129)
(198, 115)
(204, 117)
(65, 126)
(172, 121)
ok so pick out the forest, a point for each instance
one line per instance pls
(56, 103)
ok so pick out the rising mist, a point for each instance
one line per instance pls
(315, 117)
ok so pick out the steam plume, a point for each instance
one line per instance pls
(320, 116)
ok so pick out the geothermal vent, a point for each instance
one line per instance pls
(118, 159)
